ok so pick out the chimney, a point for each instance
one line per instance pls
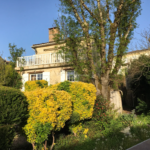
(52, 32)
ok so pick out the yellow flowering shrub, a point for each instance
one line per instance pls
(47, 109)
(32, 85)
(77, 129)
(83, 96)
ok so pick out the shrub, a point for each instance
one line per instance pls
(48, 110)
(7, 134)
(142, 107)
(83, 96)
(102, 111)
(32, 85)
(13, 106)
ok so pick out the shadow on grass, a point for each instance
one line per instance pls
(114, 140)
(109, 139)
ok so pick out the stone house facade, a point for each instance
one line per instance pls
(46, 64)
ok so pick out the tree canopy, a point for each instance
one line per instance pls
(8, 75)
(94, 31)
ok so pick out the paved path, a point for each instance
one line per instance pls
(145, 145)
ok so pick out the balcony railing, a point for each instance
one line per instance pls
(42, 59)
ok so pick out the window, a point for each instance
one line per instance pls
(38, 76)
(70, 75)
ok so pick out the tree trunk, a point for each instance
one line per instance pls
(105, 89)
(33, 146)
(97, 83)
(45, 145)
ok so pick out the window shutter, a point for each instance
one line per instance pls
(25, 78)
(46, 77)
(62, 76)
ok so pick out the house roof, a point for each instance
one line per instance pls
(45, 44)
(137, 51)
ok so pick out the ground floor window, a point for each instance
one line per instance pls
(70, 75)
(38, 76)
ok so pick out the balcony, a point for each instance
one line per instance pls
(43, 59)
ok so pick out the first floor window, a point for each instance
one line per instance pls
(70, 75)
(38, 76)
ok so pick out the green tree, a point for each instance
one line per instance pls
(138, 78)
(93, 32)
(8, 75)
(15, 53)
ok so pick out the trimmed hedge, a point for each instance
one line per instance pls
(32, 85)
(13, 112)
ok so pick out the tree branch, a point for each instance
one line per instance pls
(90, 12)
(76, 13)
(107, 5)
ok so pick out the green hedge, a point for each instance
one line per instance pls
(13, 112)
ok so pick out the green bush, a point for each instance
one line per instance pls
(102, 110)
(7, 134)
(13, 111)
(142, 106)
(64, 86)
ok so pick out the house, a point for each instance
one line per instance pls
(129, 57)
(46, 64)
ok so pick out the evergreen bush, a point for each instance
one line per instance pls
(13, 112)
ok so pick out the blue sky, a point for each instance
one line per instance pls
(26, 22)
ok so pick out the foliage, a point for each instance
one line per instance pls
(83, 96)
(32, 85)
(15, 53)
(13, 112)
(13, 106)
(64, 86)
(48, 109)
(127, 119)
(94, 32)
(142, 107)
(78, 130)
(7, 134)
(139, 78)
(102, 112)
(9, 76)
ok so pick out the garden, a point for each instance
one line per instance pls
(65, 116)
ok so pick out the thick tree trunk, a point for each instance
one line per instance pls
(97, 83)
(105, 89)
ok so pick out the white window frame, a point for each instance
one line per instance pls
(67, 75)
(36, 76)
